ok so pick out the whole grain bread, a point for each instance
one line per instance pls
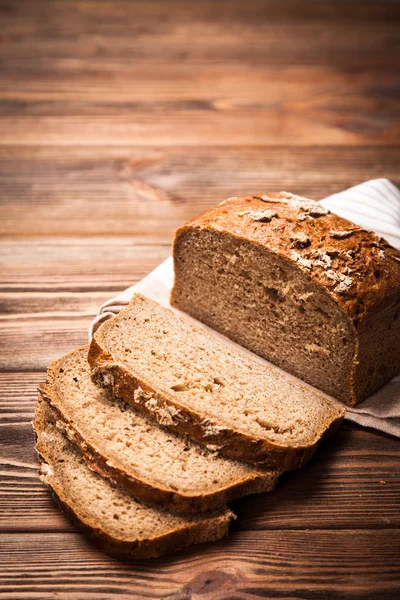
(153, 463)
(197, 384)
(305, 289)
(117, 522)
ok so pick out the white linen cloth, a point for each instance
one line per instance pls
(374, 205)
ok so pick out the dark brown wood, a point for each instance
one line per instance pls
(255, 31)
(119, 121)
(247, 565)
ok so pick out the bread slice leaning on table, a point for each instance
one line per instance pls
(197, 384)
(118, 523)
(305, 289)
(153, 463)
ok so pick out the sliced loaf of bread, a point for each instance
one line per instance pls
(155, 464)
(305, 289)
(197, 384)
(118, 523)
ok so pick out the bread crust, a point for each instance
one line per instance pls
(211, 528)
(140, 488)
(364, 284)
(361, 301)
(200, 533)
(112, 375)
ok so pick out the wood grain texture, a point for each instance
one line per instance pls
(119, 121)
(254, 32)
(51, 290)
(290, 564)
(257, 31)
(76, 265)
(206, 73)
(313, 122)
(144, 193)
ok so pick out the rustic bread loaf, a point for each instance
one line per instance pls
(305, 289)
(153, 463)
(117, 522)
(197, 384)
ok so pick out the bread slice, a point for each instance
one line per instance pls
(197, 384)
(118, 523)
(155, 464)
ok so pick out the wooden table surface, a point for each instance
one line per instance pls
(119, 120)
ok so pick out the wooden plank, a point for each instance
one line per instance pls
(62, 88)
(25, 503)
(220, 104)
(249, 107)
(247, 565)
(50, 304)
(33, 343)
(185, 127)
(275, 125)
(161, 15)
(348, 481)
(71, 265)
(252, 32)
(193, 76)
(352, 482)
(143, 194)
(51, 291)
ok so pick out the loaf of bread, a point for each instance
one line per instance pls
(301, 287)
(197, 384)
(153, 463)
(110, 515)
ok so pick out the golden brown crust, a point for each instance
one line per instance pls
(357, 268)
(112, 375)
(211, 528)
(198, 533)
(139, 488)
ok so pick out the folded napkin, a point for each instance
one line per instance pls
(374, 205)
